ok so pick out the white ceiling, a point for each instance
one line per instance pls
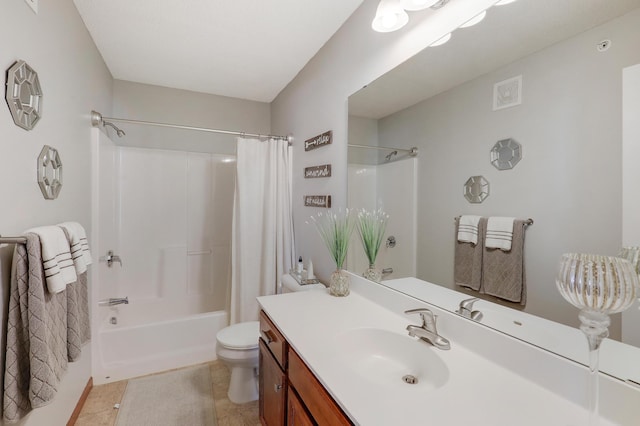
(507, 34)
(248, 49)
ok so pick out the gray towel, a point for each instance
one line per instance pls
(36, 353)
(503, 273)
(78, 324)
(468, 259)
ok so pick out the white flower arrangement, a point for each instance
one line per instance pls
(335, 230)
(371, 227)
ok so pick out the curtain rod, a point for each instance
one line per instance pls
(412, 151)
(98, 120)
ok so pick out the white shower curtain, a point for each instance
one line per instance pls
(262, 236)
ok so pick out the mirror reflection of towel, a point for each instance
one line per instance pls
(468, 260)
(503, 273)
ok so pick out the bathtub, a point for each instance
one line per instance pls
(126, 349)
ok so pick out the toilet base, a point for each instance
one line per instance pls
(243, 385)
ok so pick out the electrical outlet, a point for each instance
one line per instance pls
(33, 4)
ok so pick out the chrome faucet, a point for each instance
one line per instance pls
(427, 331)
(466, 309)
(114, 301)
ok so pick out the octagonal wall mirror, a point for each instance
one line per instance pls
(49, 172)
(476, 189)
(505, 154)
(24, 95)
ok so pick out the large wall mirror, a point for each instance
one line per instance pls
(569, 123)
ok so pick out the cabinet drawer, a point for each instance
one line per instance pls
(296, 413)
(320, 404)
(273, 339)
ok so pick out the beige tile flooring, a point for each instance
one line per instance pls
(99, 409)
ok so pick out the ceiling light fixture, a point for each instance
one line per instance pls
(503, 2)
(390, 16)
(417, 4)
(476, 19)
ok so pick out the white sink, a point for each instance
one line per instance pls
(391, 359)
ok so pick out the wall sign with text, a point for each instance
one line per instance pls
(321, 140)
(317, 171)
(317, 201)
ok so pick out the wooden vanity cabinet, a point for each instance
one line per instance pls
(289, 392)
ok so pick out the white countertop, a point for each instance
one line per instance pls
(478, 391)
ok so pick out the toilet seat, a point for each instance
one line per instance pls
(241, 336)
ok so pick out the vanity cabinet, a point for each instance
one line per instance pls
(290, 394)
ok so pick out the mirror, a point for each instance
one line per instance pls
(568, 121)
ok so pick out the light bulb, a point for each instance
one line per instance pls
(471, 22)
(390, 16)
(442, 40)
(417, 4)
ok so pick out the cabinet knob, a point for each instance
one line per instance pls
(277, 387)
(267, 335)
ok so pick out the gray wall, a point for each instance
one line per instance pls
(160, 104)
(569, 181)
(74, 81)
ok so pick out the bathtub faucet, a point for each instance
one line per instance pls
(114, 301)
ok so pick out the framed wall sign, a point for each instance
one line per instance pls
(317, 171)
(317, 201)
(321, 140)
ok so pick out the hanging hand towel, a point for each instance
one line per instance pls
(468, 260)
(56, 258)
(468, 229)
(503, 272)
(499, 233)
(79, 245)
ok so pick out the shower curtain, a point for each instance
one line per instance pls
(262, 235)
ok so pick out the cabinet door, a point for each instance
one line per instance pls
(296, 413)
(273, 389)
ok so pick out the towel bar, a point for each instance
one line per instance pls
(526, 222)
(13, 240)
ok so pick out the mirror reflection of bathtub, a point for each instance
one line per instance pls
(167, 213)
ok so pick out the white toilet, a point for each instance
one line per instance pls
(237, 347)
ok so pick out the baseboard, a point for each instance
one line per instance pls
(80, 404)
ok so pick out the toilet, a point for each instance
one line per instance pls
(237, 347)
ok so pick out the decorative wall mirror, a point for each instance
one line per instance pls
(49, 172)
(476, 189)
(24, 95)
(505, 154)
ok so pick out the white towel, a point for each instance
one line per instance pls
(499, 233)
(56, 258)
(468, 229)
(79, 245)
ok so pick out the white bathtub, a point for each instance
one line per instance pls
(123, 351)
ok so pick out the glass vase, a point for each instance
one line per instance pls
(339, 283)
(598, 286)
(372, 273)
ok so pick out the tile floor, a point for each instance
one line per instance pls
(99, 409)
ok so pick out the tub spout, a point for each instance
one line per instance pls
(114, 301)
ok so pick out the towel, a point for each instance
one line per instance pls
(499, 233)
(468, 259)
(56, 257)
(468, 229)
(78, 323)
(503, 272)
(79, 245)
(36, 352)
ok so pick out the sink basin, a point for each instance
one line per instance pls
(391, 359)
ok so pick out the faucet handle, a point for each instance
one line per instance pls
(466, 309)
(428, 317)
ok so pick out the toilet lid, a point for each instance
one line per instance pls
(243, 335)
